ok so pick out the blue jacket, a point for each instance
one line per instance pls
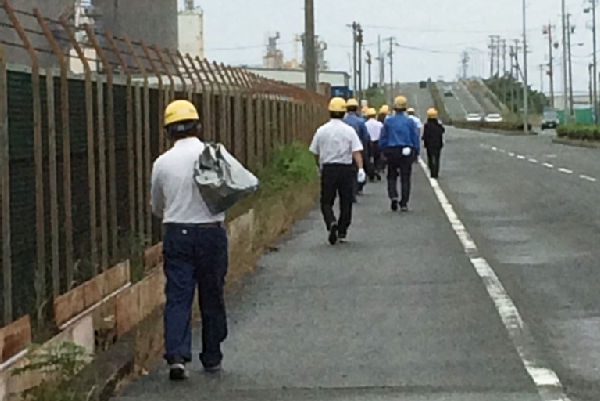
(400, 131)
(358, 123)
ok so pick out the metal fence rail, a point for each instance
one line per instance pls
(76, 150)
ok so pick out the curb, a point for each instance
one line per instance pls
(577, 143)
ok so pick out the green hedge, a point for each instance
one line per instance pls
(502, 125)
(579, 131)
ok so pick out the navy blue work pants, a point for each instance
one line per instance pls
(194, 256)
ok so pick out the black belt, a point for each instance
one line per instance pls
(216, 224)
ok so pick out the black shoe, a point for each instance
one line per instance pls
(342, 237)
(404, 209)
(213, 369)
(177, 372)
(333, 234)
(394, 205)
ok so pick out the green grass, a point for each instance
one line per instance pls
(292, 166)
(579, 132)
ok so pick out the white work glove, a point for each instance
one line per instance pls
(362, 176)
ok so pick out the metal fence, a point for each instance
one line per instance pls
(76, 150)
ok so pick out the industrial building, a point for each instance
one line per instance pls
(191, 30)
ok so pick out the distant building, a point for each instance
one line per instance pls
(154, 21)
(191, 30)
(49, 8)
(297, 77)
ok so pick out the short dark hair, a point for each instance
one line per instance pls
(336, 114)
(400, 109)
(184, 129)
(351, 108)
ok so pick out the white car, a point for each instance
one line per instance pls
(474, 117)
(493, 118)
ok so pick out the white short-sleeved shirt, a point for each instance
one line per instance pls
(335, 142)
(417, 121)
(374, 127)
(175, 195)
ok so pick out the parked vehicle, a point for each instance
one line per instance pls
(474, 117)
(549, 119)
(493, 118)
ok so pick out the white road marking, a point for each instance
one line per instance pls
(494, 148)
(565, 171)
(511, 154)
(520, 157)
(548, 165)
(534, 161)
(545, 379)
(502, 150)
(588, 178)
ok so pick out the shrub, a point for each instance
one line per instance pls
(581, 132)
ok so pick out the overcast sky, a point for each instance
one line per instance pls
(236, 32)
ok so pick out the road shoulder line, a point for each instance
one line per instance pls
(545, 379)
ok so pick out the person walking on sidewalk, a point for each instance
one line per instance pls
(400, 143)
(412, 115)
(433, 139)
(374, 127)
(336, 146)
(358, 123)
(194, 246)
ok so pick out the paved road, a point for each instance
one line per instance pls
(532, 206)
(398, 313)
(466, 99)
(419, 98)
(456, 110)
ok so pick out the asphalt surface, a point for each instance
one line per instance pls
(532, 207)
(398, 313)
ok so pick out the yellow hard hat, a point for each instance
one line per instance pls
(180, 110)
(352, 103)
(337, 104)
(371, 112)
(400, 102)
(410, 110)
(432, 113)
(385, 109)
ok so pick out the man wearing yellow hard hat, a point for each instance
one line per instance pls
(194, 245)
(384, 111)
(336, 147)
(433, 138)
(358, 123)
(374, 127)
(401, 143)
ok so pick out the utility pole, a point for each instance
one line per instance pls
(354, 69)
(590, 86)
(548, 30)
(565, 70)
(369, 62)
(310, 57)
(570, 30)
(391, 55)
(359, 43)
(542, 69)
(526, 84)
(594, 64)
(380, 62)
(492, 48)
(503, 42)
(465, 64)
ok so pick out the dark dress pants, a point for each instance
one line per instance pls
(433, 160)
(399, 166)
(194, 256)
(337, 180)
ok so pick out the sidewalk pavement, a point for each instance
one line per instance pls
(397, 313)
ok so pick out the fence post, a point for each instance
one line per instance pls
(112, 186)
(91, 149)
(40, 278)
(130, 135)
(66, 147)
(250, 130)
(239, 136)
(168, 97)
(5, 193)
(177, 70)
(219, 123)
(209, 129)
(205, 110)
(142, 149)
(193, 89)
(160, 99)
(225, 106)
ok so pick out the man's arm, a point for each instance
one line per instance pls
(358, 159)
(383, 138)
(157, 199)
